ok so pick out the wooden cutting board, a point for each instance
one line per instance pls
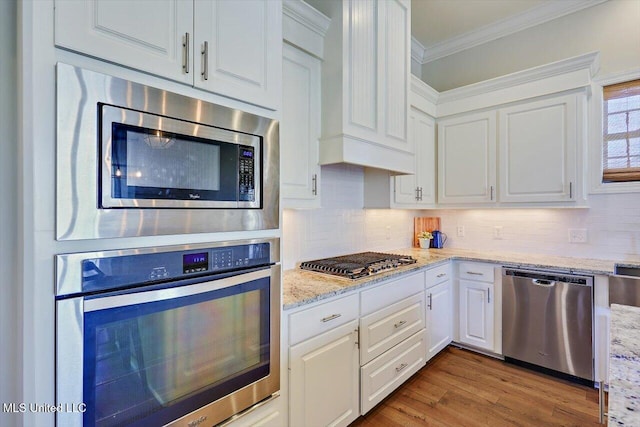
(424, 224)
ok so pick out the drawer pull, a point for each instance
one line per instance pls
(401, 367)
(185, 45)
(474, 273)
(441, 275)
(400, 324)
(330, 318)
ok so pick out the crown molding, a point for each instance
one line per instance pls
(423, 89)
(417, 50)
(619, 77)
(589, 61)
(307, 16)
(535, 16)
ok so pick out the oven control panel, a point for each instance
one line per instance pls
(105, 273)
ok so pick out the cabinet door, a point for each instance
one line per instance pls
(239, 49)
(300, 129)
(324, 378)
(419, 189)
(467, 159)
(537, 146)
(476, 314)
(439, 318)
(147, 36)
(378, 71)
(394, 66)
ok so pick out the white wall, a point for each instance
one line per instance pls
(612, 28)
(612, 223)
(342, 226)
(9, 309)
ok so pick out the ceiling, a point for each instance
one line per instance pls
(434, 21)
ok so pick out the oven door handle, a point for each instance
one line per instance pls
(141, 297)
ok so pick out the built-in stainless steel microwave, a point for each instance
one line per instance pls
(151, 161)
(134, 160)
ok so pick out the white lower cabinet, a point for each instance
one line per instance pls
(439, 309)
(385, 373)
(385, 328)
(324, 378)
(392, 337)
(476, 314)
(439, 318)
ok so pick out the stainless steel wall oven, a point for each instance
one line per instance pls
(167, 336)
(133, 160)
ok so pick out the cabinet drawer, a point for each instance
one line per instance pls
(316, 320)
(385, 328)
(476, 271)
(438, 275)
(390, 292)
(384, 374)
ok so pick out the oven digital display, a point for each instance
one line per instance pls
(193, 263)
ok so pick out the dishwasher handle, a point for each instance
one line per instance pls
(543, 283)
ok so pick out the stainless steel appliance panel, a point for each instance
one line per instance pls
(624, 285)
(79, 92)
(548, 320)
(74, 307)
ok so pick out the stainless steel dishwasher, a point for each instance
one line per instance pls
(547, 320)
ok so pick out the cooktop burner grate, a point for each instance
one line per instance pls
(358, 265)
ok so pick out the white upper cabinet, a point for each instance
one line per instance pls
(304, 29)
(192, 41)
(537, 151)
(300, 129)
(419, 190)
(154, 37)
(366, 85)
(238, 49)
(467, 159)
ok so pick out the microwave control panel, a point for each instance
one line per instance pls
(246, 174)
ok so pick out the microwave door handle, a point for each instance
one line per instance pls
(142, 297)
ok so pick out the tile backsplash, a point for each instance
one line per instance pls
(342, 226)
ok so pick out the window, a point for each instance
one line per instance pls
(621, 128)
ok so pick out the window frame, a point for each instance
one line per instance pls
(596, 138)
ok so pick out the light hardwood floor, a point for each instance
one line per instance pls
(462, 388)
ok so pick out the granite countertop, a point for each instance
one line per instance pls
(624, 366)
(302, 287)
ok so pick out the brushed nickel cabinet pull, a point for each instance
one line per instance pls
(441, 275)
(417, 194)
(330, 318)
(314, 184)
(205, 60)
(185, 45)
(571, 190)
(488, 295)
(430, 301)
(473, 273)
(400, 324)
(401, 367)
(492, 192)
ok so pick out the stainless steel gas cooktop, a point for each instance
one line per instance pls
(358, 265)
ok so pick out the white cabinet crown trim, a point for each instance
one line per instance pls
(565, 75)
(530, 18)
(304, 27)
